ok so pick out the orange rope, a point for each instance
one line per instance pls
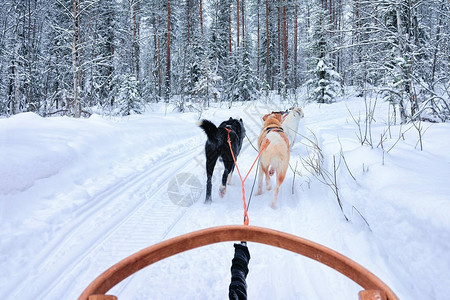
(266, 143)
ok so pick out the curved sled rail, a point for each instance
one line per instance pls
(373, 287)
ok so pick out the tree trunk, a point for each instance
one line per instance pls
(167, 91)
(159, 65)
(285, 44)
(243, 23)
(278, 42)
(201, 17)
(267, 44)
(12, 101)
(330, 9)
(188, 21)
(237, 24)
(135, 44)
(436, 49)
(258, 39)
(75, 106)
(402, 107)
(229, 33)
(295, 44)
(339, 29)
(30, 48)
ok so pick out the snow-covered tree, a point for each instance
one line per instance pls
(129, 98)
(269, 58)
(202, 82)
(324, 83)
(399, 50)
(243, 85)
(102, 42)
(218, 40)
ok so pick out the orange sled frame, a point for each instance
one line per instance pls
(373, 287)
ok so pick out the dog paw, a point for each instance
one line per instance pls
(222, 191)
(269, 187)
(259, 192)
(273, 205)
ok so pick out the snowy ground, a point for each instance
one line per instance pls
(78, 195)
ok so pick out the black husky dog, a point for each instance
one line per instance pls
(217, 146)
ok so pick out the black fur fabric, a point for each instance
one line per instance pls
(217, 146)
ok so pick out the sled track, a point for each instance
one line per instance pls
(114, 224)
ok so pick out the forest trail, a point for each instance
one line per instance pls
(114, 187)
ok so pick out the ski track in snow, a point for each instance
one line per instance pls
(104, 229)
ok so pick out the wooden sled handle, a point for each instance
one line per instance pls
(160, 251)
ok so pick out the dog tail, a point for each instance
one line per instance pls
(209, 128)
(271, 171)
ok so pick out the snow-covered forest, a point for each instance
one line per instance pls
(76, 57)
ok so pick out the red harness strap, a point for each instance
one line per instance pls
(266, 143)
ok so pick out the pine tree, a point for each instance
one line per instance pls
(129, 98)
(269, 62)
(202, 79)
(324, 82)
(244, 83)
(218, 47)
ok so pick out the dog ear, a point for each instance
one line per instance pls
(265, 117)
(278, 117)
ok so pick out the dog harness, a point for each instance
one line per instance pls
(296, 112)
(275, 128)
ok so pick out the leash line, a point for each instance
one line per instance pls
(251, 143)
(253, 186)
(256, 174)
(266, 143)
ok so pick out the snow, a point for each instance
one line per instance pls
(79, 195)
